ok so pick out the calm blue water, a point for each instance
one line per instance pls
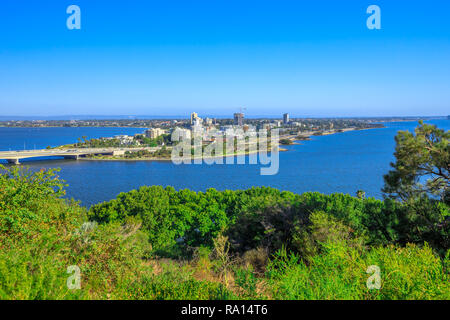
(344, 162)
(40, 138)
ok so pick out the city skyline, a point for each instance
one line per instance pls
(70, 117)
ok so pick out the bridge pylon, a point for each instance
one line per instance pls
(13, 161)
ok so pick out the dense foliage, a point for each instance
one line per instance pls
(422, 166)
(256, 243)
(139, 154)
(138, 140)
(268, 217)
(260, 243)
(286, 141)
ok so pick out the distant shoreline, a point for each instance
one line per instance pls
(108, 155)
(28, 122)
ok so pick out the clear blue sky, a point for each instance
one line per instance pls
(309, 58)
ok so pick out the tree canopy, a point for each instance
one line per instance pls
(422, 164)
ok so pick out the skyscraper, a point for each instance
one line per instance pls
(239, 119)
(286, 118)
(194, 116)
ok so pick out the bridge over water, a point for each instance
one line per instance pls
(15, 156)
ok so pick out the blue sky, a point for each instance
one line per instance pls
(308, 58)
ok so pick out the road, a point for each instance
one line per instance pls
(16, 156)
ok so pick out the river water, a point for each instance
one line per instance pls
(344, 162)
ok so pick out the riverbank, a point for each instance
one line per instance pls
(141, 153)
(116, 158)
(336, 163)
(293, 138)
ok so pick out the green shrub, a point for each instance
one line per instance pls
(411, 272)
(246, 280)
(340, 273)
(42, 235)
(175, 285)
(321, 246)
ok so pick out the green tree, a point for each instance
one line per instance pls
(286, 141)
(422, 164)
(360, 194)
(420, 177)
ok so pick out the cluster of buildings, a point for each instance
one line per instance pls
(151, 133)
(207, 128)
(197, 121)
(124, 139)
(127, 140)
(198, 126)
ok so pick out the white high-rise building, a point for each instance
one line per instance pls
(154, 133)
(194, 117)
